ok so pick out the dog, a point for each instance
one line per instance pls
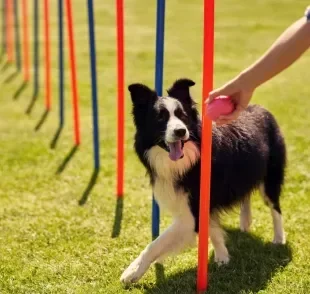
(248, 154)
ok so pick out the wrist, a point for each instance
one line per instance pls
(246, 81)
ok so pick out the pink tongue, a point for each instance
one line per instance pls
(176, 151)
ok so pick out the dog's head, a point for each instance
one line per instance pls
(166, 121)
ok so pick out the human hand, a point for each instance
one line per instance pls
(240, 94)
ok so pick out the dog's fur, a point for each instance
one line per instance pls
(246, 155)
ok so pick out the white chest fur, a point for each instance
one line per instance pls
(175, 201)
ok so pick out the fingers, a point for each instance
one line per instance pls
(221, 122)
(215, 93)
(212, 95)
(228, 89)
(229, 118)
(225, 90)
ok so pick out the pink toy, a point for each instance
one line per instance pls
(219, 106)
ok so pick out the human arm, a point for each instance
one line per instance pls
(291, 44)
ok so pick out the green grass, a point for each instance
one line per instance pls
(50, 244)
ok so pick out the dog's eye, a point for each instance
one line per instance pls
(163, 115)
(179, 113)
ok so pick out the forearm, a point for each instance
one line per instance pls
(285, 51)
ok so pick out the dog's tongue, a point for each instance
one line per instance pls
(176, 151)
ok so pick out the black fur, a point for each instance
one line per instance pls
(245, 154)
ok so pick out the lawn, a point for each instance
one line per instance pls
(51, 244)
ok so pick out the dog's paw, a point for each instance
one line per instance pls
(221, 258)
(245, 220)
(135, 271)
(279, 239)
(245, 224)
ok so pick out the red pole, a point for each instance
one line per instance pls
(75, 100)
(120, 107)
(47, 56)
(206, 144)
(25, 41)
(10, 29)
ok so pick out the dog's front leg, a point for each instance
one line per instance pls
(179, 234)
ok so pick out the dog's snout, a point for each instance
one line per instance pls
(180, 132)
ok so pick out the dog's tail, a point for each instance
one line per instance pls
(275, 175)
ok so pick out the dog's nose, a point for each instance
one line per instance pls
(180, 132)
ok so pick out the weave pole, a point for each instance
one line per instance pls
(25, 41)
(159, 69)
(3, 28)
(92, 49)
(9, 30)
(120, 100)
(61, 63)
(36, 48)
(206, 147)
(75, 100)
(17, 36)
(46, 15)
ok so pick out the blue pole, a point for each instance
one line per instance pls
(3, 49)
(36, 47)
(92, 49)
(17, 37)
(61, 63)
(159, 68)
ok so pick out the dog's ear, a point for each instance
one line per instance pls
(180, 90)
(141, 94)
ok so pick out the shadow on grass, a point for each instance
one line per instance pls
(67, 159)
(19, 90)
(56, 137)
(160, 273)
(89, 187)
(11, 77)
(253, 264)
(5, 66)
(33, 101)
(118, 217)
(42, 120)
(2, 56)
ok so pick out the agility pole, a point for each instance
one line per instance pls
(17, 35)
(120, 97)
(26, 69)
(46, 17)
(159, 69)
(74, 86)
(206, 147)
(93, 70)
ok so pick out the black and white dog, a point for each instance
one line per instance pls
(246, 155)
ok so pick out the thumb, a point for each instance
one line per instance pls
(224, 90)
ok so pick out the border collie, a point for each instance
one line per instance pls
(248, 154)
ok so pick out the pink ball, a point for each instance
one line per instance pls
(219, 106)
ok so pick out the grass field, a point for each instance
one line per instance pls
(51, 244)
